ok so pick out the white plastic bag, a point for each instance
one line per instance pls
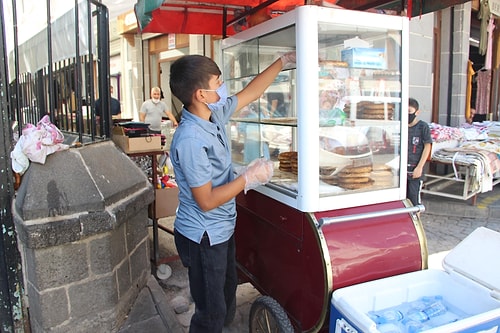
(36, 143)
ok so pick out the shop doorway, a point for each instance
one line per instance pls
(173, 103)
(477, 61)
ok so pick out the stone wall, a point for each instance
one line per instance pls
(82, 221)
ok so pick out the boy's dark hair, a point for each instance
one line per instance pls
(413, 103)
(189, 73)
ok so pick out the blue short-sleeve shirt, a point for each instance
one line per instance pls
(200, 153)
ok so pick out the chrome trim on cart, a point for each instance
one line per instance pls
(346, 218)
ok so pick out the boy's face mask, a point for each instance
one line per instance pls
(222, 92)
(411, 117)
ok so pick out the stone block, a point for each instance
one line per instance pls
(123, 277)
(101, 293)
(96, 222)
(41, 194)
(58, 266)
(48, 232)
(93, 323)
(127, 209)
(108, 251)
(120, 178)
(51, 308)
(139, 267)
(137, 230)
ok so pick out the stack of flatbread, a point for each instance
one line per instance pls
(382, 175)
(379, 111)
(371, 110)
(353, 178)
(288, 161)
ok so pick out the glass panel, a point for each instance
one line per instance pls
(246, 142)
(359, 107)
(241, 60)
(280, 97)
(255, 129)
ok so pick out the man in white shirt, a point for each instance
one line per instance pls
(153, 110)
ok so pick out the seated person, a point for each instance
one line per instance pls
(114, 106)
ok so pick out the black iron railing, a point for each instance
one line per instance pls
(66, 89)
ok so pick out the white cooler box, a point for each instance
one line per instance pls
(469, 286)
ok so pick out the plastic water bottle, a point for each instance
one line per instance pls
(433, 309)
(389, 328)
(436, 308)
(416, 327)
(386, 316)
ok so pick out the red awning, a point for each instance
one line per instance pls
(211, 17)
(226, 17)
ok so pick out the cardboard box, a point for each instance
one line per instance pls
(364, 58)
(167, 200)
(134, 145)
(469, 286)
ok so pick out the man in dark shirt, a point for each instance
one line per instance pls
(419, 148)
(114, 105)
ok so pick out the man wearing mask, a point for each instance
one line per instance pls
(153, 110)
(419, 148)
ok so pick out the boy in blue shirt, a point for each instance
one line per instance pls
(201, 157)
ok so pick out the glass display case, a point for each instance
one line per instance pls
(335, 122)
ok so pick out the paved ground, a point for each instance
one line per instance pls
(164, 305)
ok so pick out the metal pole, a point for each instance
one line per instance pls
(103, 66)
(16, 69)
(52, 104)
(78, 74)
(451, 56)
(12, 312)
(89, 86)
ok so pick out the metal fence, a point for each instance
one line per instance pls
(68, 85)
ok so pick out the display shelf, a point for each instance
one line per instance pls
(268, 121)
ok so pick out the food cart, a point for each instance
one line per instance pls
(334, 213)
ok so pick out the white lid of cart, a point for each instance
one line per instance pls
(476, 258)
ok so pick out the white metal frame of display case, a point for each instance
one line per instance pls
(306, 19)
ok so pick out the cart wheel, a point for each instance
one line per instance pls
(267, 316)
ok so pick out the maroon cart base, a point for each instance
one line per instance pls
(288, 255)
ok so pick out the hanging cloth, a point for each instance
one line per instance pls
(483, 91)
(484, 16)
(489, 50)
(468, 96)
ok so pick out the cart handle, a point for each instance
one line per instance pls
(329, 220)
